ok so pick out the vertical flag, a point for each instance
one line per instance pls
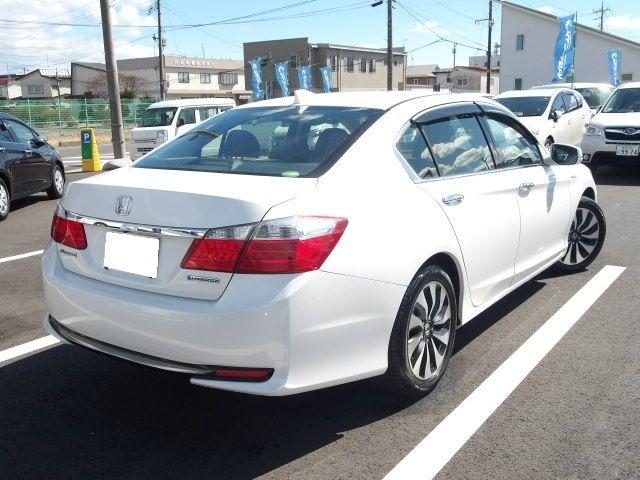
(256, 78)
(615, 66)
(304, 77)
(564, 53)
(326, 78)
(282, 74)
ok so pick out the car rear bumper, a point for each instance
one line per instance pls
(314, 329)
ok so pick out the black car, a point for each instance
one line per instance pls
(28, 164)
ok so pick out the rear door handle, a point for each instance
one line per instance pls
(2, 149)
(525, 186)
(27, 151)
(454, 199)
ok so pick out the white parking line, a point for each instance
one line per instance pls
(437, 448)
(22, 255)
(29, 347)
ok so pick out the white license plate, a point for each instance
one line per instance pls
(131, 254)
(627, 150)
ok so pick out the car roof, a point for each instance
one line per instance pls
(629, 85)
(574, 85)
(535, 92)
(194, 102)
(382, 100)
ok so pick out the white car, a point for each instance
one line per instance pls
(277, 268)
(612, 137)
(163, 121)
(595, 94)
(555, 115)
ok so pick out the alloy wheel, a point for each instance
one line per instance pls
(428, 331)
(58, 181)
(583, 237)
(4, 201)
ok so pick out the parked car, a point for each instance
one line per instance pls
(612, 137)
(595, 94)
(555, 115)
(28, 164)
(163, 121)
(280, 268)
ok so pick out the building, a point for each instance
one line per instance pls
(527, 41)
(481, 61)
(44, 82)
(9, 89)
(463, 79)
(420, 76)
(353, 68)
(185, 78)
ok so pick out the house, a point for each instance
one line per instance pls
(527, 41)
(44, 83)
(462, 79)
(421, 76)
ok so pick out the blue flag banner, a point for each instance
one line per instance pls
(615, 66)
(282, 74)
(326, 78)
(256, 78)
(564, 53)
(304, 77)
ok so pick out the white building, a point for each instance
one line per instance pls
(463, 79)
(184, 77)
(528, 38)
(43, 83)
(481, 61)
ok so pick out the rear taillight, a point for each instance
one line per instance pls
(68, 232)
(288, 245)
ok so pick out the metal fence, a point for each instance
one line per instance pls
(68, 115)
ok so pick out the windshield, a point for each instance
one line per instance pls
(157, 117)
(623, 101)
(594, 96)
(525, 106)
(290, 141)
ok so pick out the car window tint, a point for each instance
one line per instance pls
(188, 115)
(5, 136)
(208, 112)
(414, 150)
(22, 133)
(459, 145)
(558, 104)
(516, 149)
(570, 101)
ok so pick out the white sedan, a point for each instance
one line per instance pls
(280, 267)
(553, 115)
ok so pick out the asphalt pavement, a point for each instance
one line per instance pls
(69, 413)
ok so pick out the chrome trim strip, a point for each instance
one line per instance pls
(138, 228)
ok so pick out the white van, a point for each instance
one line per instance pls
(163, 121)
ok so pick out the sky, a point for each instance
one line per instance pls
(71, 30)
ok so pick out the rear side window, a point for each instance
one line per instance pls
(515, 148)
(459, 145)
(286, 141)
(415, 151)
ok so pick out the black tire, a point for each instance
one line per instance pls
(586, 237)
(5, 200)
(55, 190)
(400, 377)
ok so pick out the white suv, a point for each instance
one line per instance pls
(613, 134)
(554, 115)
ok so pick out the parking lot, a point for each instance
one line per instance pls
(69, 413)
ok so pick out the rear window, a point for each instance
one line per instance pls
(292, 141)
(525, 106)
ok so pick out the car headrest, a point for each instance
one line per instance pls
(328, 140)
(240, 143)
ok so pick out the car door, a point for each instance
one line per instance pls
(543, 195)
(560, 128)
(479, 200)
(575, 117)
(34, 172)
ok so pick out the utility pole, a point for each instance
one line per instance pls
(454, 54)
(389, 45)
(600, 12)
(117, 133)
(59, 111)
(489, 46)
(156, 6)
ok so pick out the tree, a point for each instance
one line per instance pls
(129, 85)
(97, 87)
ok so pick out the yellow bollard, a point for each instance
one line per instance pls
(90, 153)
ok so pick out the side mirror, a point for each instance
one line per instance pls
(180, 122)
(565, 154)
(3, 127)
(555, 115)
(39, 141)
